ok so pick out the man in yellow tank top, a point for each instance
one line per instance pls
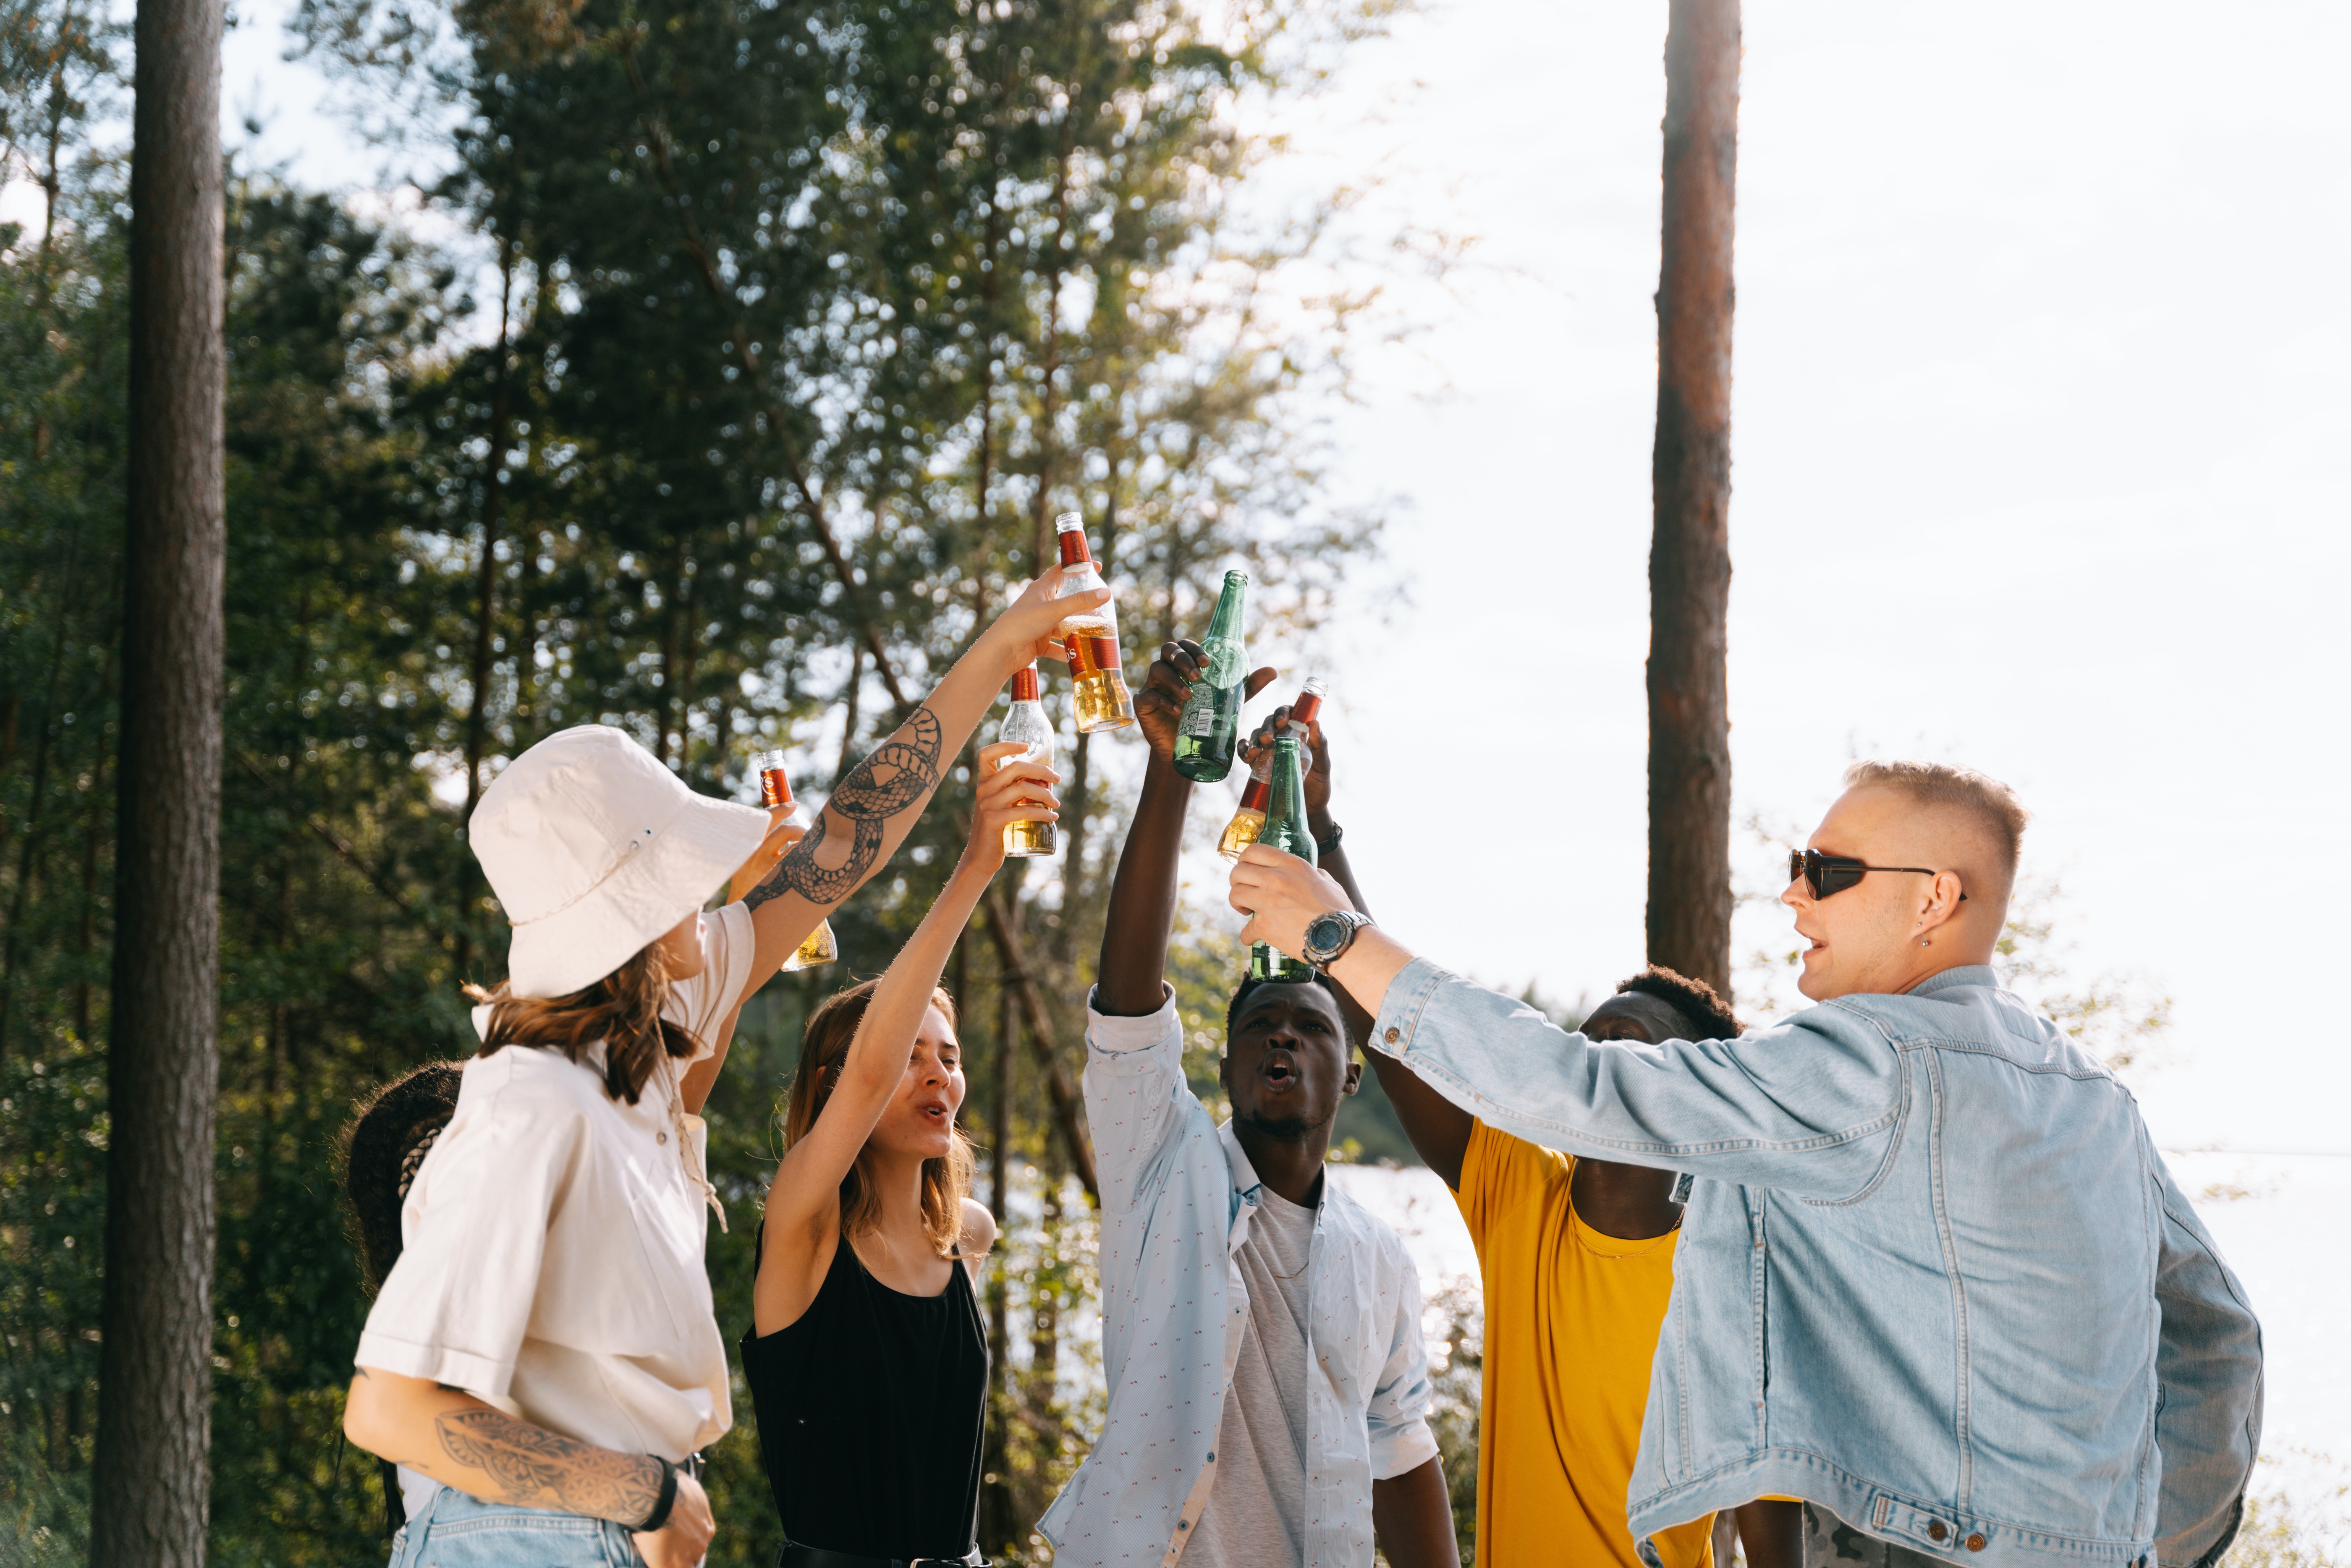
(1577, 1262)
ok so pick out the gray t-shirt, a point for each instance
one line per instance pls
(1256, 1512)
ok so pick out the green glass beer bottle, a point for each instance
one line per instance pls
(1211, 722)
(1285, 828)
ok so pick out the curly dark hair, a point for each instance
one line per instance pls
(391, 1131)
(1696, 1001)
(1250, 988)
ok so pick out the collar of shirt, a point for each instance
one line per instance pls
(1175, 1308)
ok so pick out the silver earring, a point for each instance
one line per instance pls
(1922, 941)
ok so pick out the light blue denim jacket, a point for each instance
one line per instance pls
(1933, 1275)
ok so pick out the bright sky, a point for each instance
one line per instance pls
(2038, 446)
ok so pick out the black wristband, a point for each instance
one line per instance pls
(1325, 846)
(668, 1499)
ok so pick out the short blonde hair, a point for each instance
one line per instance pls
(1993, 804)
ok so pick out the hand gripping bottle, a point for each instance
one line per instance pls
(1285, 828)
(1027, 725)
(1242, 830)
(1211, 721)
(776, 789)
(1090, 639)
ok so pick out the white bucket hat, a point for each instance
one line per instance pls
(595, 848)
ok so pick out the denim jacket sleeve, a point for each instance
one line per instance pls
(1135, 1097)
(1811, 1106)
(2208, 1367)
(1399, 1414)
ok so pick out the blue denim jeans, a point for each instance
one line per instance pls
(462, 1532)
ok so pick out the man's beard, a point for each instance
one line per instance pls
(1282, 1129)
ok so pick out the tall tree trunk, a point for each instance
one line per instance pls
(1689, 553)
(148, 1499)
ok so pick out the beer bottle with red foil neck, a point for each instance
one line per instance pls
(1242, 830)
(1285, 828)
(1090, 639)
(1211, 722)
(1027, 725)
(775, 790)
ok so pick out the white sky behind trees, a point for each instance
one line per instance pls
(2039, 442)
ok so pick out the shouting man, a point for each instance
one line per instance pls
(1941, 1284)
(1260, 1330)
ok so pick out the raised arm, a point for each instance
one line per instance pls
(803, 1213)
(1808, 1107)
(1131, 975)
(869, 815)
(1439, 1130)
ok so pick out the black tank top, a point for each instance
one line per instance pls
(871, 1411)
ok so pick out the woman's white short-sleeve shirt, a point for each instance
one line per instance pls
(552, 1261)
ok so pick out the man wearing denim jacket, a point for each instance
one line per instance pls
(1935, 1278)
(1262, 1341)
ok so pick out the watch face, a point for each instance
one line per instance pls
(1326, 934)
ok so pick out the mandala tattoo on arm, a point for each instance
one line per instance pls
(900, 773)
(534, 1468)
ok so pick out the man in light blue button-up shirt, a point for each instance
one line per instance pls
(1934, 1277)
(1260, 1330)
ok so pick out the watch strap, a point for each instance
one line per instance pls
(1330, 845)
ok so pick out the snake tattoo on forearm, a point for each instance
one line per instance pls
(901, 771)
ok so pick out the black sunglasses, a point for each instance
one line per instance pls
(1826, 874)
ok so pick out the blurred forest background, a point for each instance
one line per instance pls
(804, 320)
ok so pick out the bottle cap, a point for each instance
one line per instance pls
(1072, 530)
(1025, 687)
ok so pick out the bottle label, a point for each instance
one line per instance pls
(1200, 717)
(1225, 657)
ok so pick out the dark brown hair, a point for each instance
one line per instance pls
(392, 1130)
(1697, 1003)
(622, 1009)
(824, 1046)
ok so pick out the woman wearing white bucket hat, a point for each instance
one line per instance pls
(543, 1360)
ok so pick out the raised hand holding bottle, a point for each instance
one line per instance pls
(1027, 725)
(1285, 829)
(1090, 639)
(1211, 725)
(776, 792)
(1249, 820)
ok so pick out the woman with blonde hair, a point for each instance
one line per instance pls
(543, 1361)
(868, 1359)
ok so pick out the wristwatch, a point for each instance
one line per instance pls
(1327, 935)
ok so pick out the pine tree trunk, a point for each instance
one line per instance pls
(1689, 555)
(148, 1495)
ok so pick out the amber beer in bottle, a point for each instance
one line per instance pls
(1242, 830)
(1211, 721)
(1285, 828)
(775, 790)
(1027, 725)
(1091, 638)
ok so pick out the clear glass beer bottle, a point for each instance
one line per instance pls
(1027, 725)
(1090, 639)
